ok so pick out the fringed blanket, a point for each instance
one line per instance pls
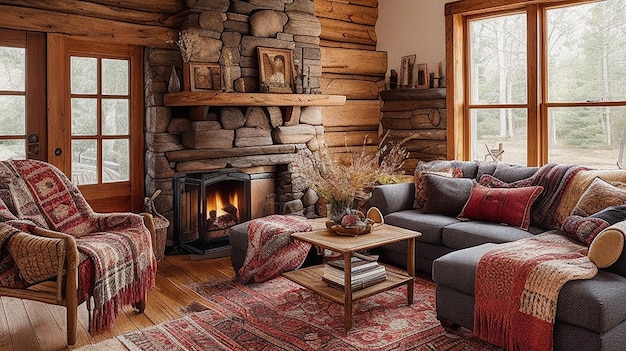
(554, 178)
(517, 285)
(271, 250)
(118, 245)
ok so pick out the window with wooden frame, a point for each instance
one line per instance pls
(545, 80)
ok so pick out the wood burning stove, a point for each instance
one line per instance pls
(206, 205)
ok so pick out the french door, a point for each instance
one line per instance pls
(22, 95)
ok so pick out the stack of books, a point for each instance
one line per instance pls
(364, 273)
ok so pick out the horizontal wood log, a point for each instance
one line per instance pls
(368, 3)
(133, 13)
(361, 128)
(200, 154)
(430, 134)
(338, 44)
(350, 61)
(413, 94)
(235, 162)
(167, 6)
(87, 27)
(347, 32)
(417, 121)
(436, 147)
(346, 12)
(353, 113)
(426, 156)
(350, 138)
(351, 88)
(404, 105)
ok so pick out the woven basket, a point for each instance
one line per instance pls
(160, 225)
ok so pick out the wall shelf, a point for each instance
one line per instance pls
(187, 98)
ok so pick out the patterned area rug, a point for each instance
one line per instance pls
(281, 315)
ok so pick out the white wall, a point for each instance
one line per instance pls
(407, 27)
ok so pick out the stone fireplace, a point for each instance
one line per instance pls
(235, 130)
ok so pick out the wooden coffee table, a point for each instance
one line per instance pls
(311, 277)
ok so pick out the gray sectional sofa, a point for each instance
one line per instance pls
(591, 314)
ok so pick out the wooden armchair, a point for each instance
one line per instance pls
(58, 252)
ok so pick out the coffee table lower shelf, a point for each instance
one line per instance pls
(311, 278)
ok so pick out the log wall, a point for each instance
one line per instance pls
(418, 113)
(351, 66)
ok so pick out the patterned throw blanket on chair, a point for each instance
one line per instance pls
(517, 285)
(118, 245)
(271, 250)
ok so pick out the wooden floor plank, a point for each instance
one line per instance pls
(22, 332)
(32, 326)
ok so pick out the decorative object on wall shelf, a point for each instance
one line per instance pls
(205, 76)
(173, 86)
(422, 77)
(276, 70)
(406, 71)
(393, 79)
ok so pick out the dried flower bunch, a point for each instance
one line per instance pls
(186, 41)
(337, 181)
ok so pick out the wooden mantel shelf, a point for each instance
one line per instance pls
(187, 98)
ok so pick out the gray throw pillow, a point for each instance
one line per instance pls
(446, 195)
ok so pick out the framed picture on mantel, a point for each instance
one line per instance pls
(205, 76)
(276, 70)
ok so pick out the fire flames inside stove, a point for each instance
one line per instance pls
(223, 212)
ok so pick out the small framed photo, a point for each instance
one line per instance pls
(276, 70)
(407, 71)
(422, 77)
(205, 76)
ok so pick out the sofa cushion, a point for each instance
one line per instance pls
(430, 225)
(584, 229)
(457, 270)
(466, 234)
(606, 247)
(594, 304)
(446, 195)
(457, 169)
(600, 195)
(612, 214)
(501, 205)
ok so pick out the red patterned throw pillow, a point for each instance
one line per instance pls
(501, 205)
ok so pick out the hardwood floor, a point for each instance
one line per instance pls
(30, 326)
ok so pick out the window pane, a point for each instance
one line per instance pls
(115, 154)
(498, 60)
(490, 127)
(114, 77)
(115, 117)
(12, 149)
(84, 116)
(591, 136)
(84, 75)
(586, 48)
(84, 162)
(12, 69)
(12, 115)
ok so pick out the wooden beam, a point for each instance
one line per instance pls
(352, 88)
(350, 61)
(341, 31)
(346, 12)
(187, 98)
(87, 27)
(353, 113)
(167, 6)
(89, 9)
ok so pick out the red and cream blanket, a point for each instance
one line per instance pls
(271, 250)
(517, 286)
(118, 244)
